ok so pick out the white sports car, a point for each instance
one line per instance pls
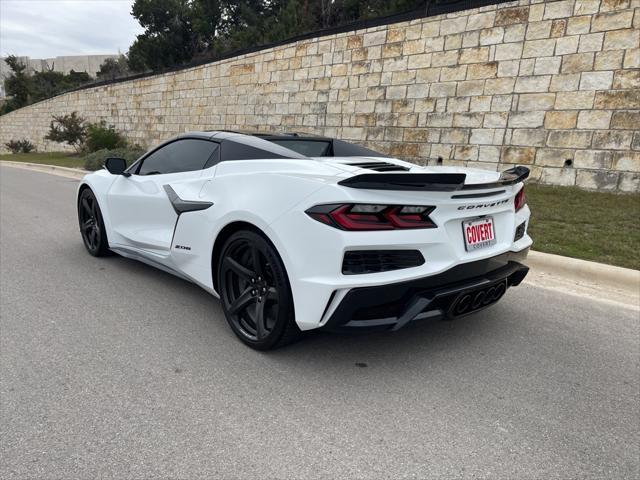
(296, 233)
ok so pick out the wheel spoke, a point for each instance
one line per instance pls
(257, 265)
(259, 319)
(242, 302)
(86, 225)
(94, 208)
(92, 238)
(272, 294)
(241, 271)
(86, 206)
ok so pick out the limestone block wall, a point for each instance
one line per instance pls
(553, 85)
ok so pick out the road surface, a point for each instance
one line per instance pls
(109, 368)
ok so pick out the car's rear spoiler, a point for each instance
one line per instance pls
(430, 182)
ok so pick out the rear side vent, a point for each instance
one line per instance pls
(380, 166)
(374, 261)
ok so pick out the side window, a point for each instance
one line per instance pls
(185, 155)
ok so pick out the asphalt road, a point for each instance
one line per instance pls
(110, 368)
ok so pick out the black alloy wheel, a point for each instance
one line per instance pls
(91, 224)
(255, 292)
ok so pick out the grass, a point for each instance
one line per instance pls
(598, 226)
(59, 159)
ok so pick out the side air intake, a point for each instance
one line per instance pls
(380, 166)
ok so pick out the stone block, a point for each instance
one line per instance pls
(626, 120)
(567, 45)
(613, 140)
(498, 103)
(514, 33)
(558, 28)
(452, 42)
(628, 161)
(569, 139)
(591, 42)
(481, 20)
(483, 136)
(431, 29)
(585, 7)
(564, 83)
(471, 39)
(596, 80)
(599, 159)
(495, 120)
(508, 51)
(574, 100)
(480, 103)
(526, 119)
(413, 47)
(458, 104)
(538, 30)
(495, 86)
(617, 100)
(539, 48)
(491, 36)
(532, 84)
(470, 88)
(632, 58)
(389, 50)
(508, 68)
(518, 155)
(466, 152)
(560, 9)
(622, 39)
(578, 25)
(453, 25)
(509, 16)
(449, 74)
(594, 119)
(612, 21)
(558, 176)
(482, 70)
(534, 137)
(555, 120)
(626, 79)
(443, 59)
(454, 135)
(474, 55)
(354, 41)
(467, 120)
(609, 60)
(579, 62)
(547, 66)
(374, 38)
(536, 101)
(439, 119)
(597, 180)
(629, 182)
(447, 89)
(553, 157)
(419, 61)
(536, 12)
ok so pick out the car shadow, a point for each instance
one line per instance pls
(317, 349)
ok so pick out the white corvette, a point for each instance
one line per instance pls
(297, 233)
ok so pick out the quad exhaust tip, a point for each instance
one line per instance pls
(475, 300)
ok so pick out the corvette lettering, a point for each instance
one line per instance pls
(483, 205)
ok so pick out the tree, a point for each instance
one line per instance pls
(113, 68)
(70, 129)
(18, 84)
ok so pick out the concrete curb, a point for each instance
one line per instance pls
(585, 270)
(76, 173)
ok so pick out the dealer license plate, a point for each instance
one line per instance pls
(478, 233)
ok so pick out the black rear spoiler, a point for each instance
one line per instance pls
(430, 182)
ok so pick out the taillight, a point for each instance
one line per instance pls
(520, 200)
(362, 217)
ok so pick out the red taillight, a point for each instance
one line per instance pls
(520, 200)
(363, 217)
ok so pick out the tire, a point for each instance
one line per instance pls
(94, 235)
(255, 292)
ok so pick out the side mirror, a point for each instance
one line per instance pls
(115, 165)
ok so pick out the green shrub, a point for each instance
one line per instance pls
(70, 129)
(20, 146)
(100, 137)
(95, 160)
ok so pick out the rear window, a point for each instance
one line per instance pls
(344, 149)
(309, 148)
(251, 148)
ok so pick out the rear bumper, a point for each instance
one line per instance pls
(463, 289)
